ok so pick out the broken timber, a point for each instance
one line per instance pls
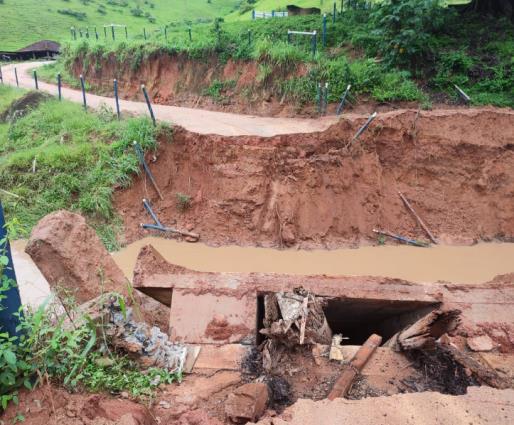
(424, 333)
(352, 370)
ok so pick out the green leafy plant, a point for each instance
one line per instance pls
(183, 202)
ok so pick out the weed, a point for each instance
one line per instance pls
(183, 202)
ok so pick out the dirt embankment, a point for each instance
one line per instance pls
(207, 83)
(307, 190)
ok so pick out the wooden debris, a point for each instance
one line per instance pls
(424, 333)
(295, 318)
(352, 370)
(418, 218)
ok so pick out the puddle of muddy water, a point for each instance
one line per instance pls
(469, 264)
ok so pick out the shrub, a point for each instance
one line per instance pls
(183, 202)
(79, 15)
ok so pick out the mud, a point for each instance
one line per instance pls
(307, 191)
(473, 264)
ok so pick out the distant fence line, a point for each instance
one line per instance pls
(266, 15)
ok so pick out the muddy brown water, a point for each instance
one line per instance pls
(469, 264)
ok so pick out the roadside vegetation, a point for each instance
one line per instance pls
(416, 52)
(58, 156)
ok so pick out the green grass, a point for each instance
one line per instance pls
(79, 159)
(25, 21)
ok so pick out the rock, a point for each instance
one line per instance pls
(122, 412)
(71, 256)
(480, 343)
(198, 417)
(247, 403)
(164, 404)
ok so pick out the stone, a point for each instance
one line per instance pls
(71, 256)
(247, 403)
(73, 259)
(480, 343)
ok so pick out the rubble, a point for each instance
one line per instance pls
(480, 343)
(75, 263)
(247, 403)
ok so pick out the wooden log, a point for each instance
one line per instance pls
(424, 333)
(418, 218)
(483, 373)
(351, 370)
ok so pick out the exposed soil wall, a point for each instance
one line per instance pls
(180, 80)
(306, 190)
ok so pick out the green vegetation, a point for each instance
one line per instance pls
(183, 202)
(23, 22)
(58, 156)
(49, 348)
(416, 52)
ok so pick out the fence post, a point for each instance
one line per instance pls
(190, 34)
(105, 32)
(80, 33)
(2, 75)
(83, 85)
(166, 34)
(118, 113)
(325, 100)
(59, 86)
(35, 80)
(253, 14)
(324, 34)
(144, 33)
(9, 320)
(334, 13)
(113, 36)
(249, 37)
(288, 37)
(318, 97)
(16, 76)
(314, 43)
(148, 104)
(126, 32)
(96, 34)
(87, 32)
(272, 13)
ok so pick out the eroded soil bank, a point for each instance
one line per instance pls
(309, 191)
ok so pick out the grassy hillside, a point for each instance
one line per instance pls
(25, 21)
(78, 158)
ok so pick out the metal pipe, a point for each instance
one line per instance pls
(148, 104)
(83, 86)
(117, 101)
(59, 84)
(141, 158)
(148, 208)
(343, 100)
(362, 129)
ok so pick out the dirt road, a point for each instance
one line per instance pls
(195, 120)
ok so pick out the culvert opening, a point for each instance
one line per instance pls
(357, 318)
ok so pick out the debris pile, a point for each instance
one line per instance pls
(144, 343)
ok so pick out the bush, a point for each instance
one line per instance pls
(404, 29)
(79, 15)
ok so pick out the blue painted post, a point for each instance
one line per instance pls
(74, 34)
(105, 32)
(80, 33)
(272, 13)
(318, 97)
(249, 37)
(87, 32)
(148, 104)
(59, 86)
(15, 76)
(314, 43)
(343, 100)
(113, 35)
(325, 100)
(324, 34)
(190, 34)
(96, 34)
(126, 32)
(334, 13)
(118, 113)
(10, 305)
(83, 86)
(253, 14)
(144, 33)
(35, 80)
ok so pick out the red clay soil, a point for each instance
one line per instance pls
(306, 190)
(181, 81)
